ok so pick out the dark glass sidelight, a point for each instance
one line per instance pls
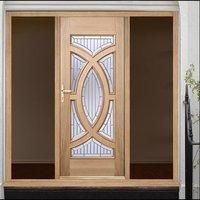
(32, 97)
(151, 97)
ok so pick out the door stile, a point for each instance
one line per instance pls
(127, 95)
(119, 169)
(65, 99)
(57, 97)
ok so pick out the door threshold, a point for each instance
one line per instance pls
(92, 177)
(91, 183)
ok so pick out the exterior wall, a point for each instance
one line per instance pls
(93, 5)
(189, 51)
(1, 100)
(193, 37)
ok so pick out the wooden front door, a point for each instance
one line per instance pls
(92, 96)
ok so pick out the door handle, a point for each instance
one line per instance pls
(66, 91)
(63, 92)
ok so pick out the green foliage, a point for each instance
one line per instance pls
(192, 83)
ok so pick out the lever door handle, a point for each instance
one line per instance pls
(66, 91)
(63, 92)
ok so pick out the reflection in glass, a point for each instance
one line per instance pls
(77, 64)
(92, 148)
(108, 66)
(92, 96)
(93, 44)
(77, 129)
(107, 128)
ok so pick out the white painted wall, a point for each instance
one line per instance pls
(92, 5)
(189, 53)
(189, 49)
(193, 47)
(1, 99)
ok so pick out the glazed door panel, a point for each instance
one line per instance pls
(92, 96)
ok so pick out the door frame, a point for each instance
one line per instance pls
(126, 182)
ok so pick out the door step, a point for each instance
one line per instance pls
(92, 193)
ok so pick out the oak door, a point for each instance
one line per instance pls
(92, 96)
